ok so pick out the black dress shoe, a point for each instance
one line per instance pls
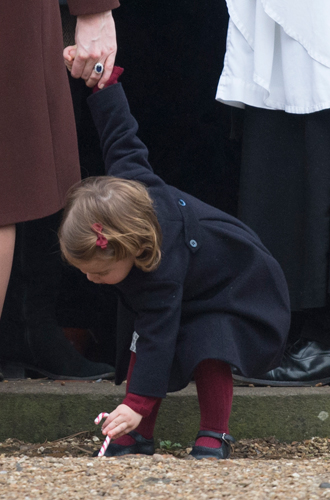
(305, 363)
(141, 446)
(222, 452)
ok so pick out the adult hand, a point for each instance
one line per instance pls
(121, 421)
(95, 43)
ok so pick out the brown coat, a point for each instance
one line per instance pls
(38, 146)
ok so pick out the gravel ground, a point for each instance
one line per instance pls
(258, 469)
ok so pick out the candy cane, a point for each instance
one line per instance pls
(107, 439)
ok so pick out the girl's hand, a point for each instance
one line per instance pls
(69, 53)
(121, 421)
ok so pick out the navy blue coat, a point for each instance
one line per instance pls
(218, 292)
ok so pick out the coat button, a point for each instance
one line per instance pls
(182, 203)
(193, 243)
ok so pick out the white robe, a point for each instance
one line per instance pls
(278, 55)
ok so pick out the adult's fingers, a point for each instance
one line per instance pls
(95, 77)
(83, 65)
(108, 68)
(86, 68)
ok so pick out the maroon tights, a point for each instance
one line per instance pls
(215, 393)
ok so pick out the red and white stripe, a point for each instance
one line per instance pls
(107, 439)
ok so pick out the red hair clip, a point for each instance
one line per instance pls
(101, 240)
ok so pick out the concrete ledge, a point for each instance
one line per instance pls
(35, 411)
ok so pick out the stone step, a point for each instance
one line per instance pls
(40, 410)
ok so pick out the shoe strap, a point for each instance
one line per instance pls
(217, 435)
(140, 439)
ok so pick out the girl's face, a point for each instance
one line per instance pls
(107, 273)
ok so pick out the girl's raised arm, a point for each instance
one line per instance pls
(125, 155)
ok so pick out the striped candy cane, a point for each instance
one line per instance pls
(107, 439)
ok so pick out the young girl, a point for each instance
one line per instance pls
(205, 293)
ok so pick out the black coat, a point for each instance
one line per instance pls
(218, 293)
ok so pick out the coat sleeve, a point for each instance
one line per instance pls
(156, 299)
(156, 327)
(125, 155)
(81, 7)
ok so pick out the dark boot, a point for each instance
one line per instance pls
(40, 344)
(305, 363)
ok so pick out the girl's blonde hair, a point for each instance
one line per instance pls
(125, 211)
